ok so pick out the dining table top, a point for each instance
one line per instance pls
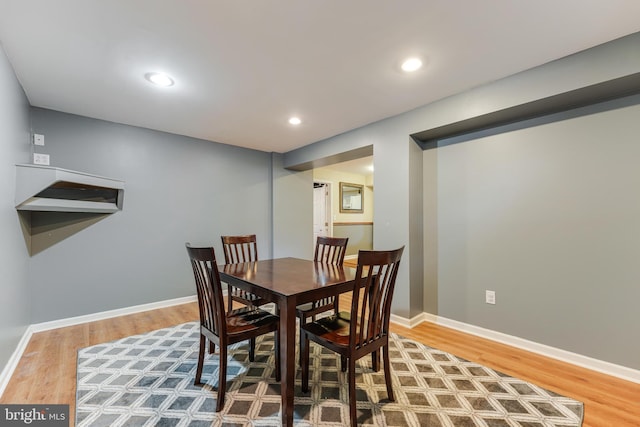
(289, 276)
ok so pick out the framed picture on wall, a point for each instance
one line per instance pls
(351, 198)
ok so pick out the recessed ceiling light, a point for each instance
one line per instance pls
(295, 120)
(160, 79)
(411, 64)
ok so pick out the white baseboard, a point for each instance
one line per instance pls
(601, 366)
(70, 321)
(414, 321)
(11, 365)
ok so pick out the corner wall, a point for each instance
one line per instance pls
(14, 148)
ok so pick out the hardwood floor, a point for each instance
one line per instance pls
(46, 374)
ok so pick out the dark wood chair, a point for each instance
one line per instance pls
(329, 250)
(365, 329)
(225, 327)
(239, 249)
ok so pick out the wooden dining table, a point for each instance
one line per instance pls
(289, 282)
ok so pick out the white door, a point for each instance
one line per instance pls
(321, 211)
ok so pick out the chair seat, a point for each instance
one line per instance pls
(334, 328)
(242, 320)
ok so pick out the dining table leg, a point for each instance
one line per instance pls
(287, 308)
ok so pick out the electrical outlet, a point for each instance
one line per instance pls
(40, 159)
(38, 139)
(490, 297)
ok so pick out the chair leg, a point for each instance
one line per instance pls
(277, 349)
(222, 378)
(351, 375)
(343, 363)
(387, 372)
(203, 345)
(375, 361)
(301, 319)
(304, 361)
(212, 347)
(252, 349)
(229, 299)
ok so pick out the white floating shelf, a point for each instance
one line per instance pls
(47, 188)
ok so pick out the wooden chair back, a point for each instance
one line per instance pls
(239, 249)
(208, 285)
(330, 250)
(371, 301)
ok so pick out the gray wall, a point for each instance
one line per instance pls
(547, 216)
(360, 236)
(417, 228)
(14, 148)
(565, 315)
(430, 237)
(177, 189)
(292, 211)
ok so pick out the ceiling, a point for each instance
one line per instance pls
(242, 68)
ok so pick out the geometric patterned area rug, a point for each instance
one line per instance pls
(147, 380)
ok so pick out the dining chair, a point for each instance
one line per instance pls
(365, 329)
(239, 249)
(331, 251)
(224, 327)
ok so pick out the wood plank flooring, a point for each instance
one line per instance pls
(46, 374)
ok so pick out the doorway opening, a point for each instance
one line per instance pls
(322, 219)
(330, 218)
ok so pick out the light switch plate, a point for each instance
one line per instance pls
(40, 159)
(38, 139)
(490, 297)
